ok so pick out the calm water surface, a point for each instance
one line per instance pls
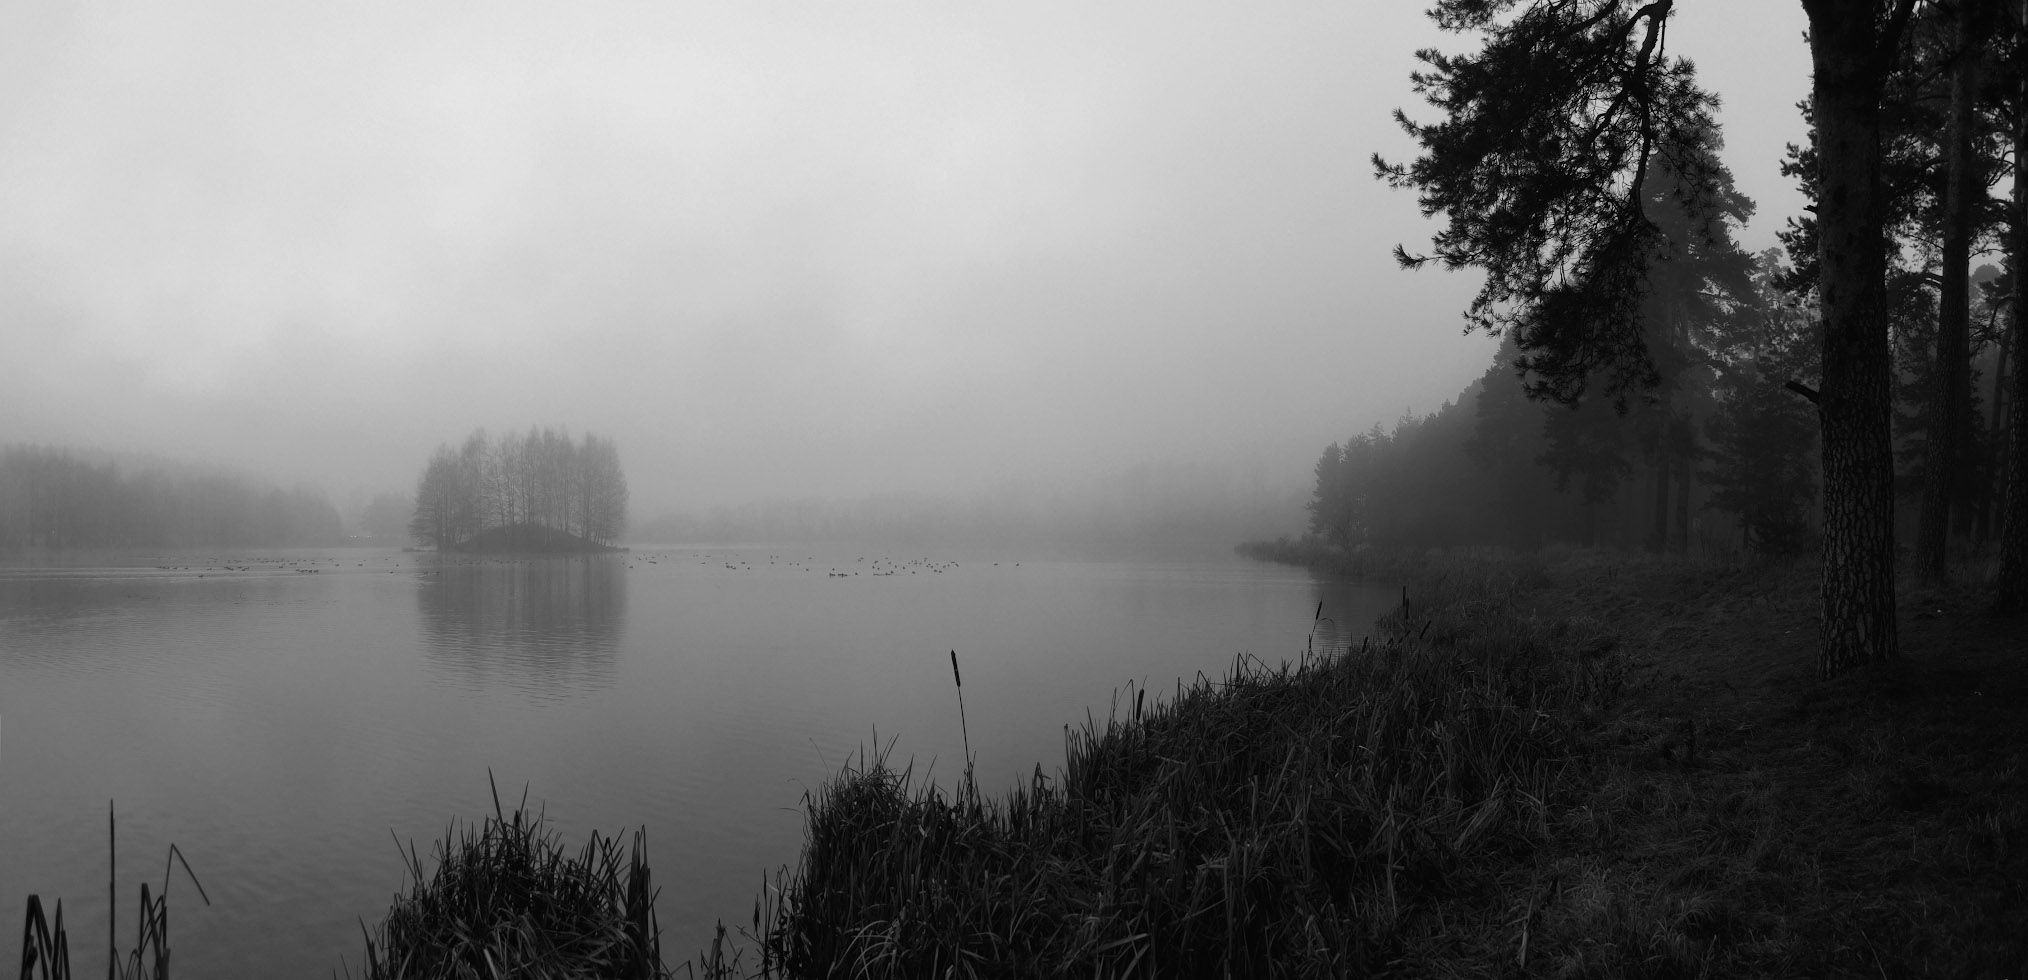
(283, 717)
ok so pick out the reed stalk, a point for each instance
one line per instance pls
(971, 787)
(45, 946)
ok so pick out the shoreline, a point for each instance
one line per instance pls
(1608, 766)
(1687, 799)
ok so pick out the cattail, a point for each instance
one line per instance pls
(962, 728)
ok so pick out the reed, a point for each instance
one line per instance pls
(971, 785)
(45, 944)
(508, 898)
(1323, 818)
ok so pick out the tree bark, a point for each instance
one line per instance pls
(1658, 536)
(1686, 472)
(1851, 54)
(1995, 490)
(2011, 591)
(1950, 396)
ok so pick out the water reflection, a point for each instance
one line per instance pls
(34, 605)
(550, 627)
(1346, 609)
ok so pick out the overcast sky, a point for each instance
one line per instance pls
(773, 249)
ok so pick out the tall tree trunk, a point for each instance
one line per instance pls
(1686, 471)
(2011, 591)
(1950, 395)
(1851, 55)
(1658, 536)
(1996, 480)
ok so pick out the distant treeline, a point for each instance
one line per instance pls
(542, 481)
(1677, 406)
(1721, 457)
(1154, 509)
(57, 498)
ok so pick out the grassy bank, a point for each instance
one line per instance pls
(1339, 816)
(1602, 769)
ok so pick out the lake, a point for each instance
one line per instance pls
(284, 716)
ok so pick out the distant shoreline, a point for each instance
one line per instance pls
(529, 539)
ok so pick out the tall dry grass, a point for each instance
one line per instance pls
(1321, 818)
(508, 898)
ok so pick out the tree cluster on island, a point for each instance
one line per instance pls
(1553, 141)
(60, 498)
(536, 492)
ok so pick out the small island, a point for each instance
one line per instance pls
(538, 493)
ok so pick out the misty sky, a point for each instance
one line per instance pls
(773, 249)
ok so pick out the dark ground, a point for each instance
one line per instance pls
(1873, 825)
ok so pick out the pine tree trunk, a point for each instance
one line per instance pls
(1658, 538)
(1950, 396)
(2011, 591)
(1685, 473)
(1995, 489)
(1854, 404)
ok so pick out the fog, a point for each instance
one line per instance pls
(778, 252)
